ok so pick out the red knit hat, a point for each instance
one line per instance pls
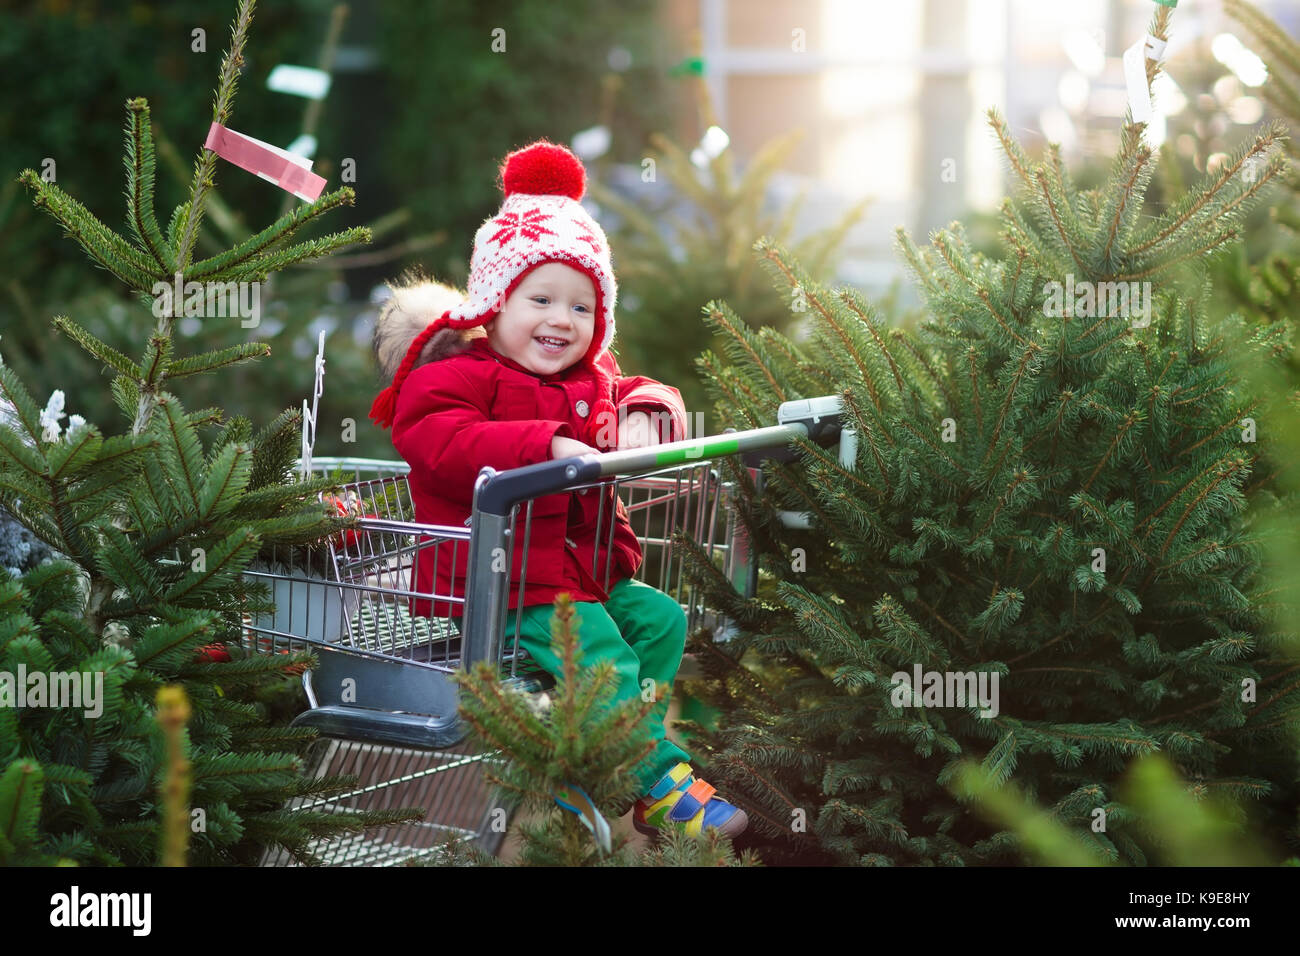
(540, 221)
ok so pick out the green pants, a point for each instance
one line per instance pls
(643, 632)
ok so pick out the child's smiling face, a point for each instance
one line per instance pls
(553, 304)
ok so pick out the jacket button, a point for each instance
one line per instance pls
(582, 408)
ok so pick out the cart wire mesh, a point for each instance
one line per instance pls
(356, 593)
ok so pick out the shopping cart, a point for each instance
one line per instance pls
(382, 698)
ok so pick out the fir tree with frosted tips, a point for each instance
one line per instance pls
(1057, 500)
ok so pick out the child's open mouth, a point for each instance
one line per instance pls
(552, 345)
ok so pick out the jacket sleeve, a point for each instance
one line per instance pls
(637, 393)
(441, 427)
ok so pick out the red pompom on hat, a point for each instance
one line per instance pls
(543, 169)
(541, 220)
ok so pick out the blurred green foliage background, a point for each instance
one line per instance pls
(420, 103)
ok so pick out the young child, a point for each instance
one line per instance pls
(519, 372)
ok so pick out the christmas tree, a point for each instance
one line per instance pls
(154, 528)
(75, 125)
(1040, 557)
(565, 755)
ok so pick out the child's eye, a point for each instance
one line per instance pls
(584, 308)
(539, 298)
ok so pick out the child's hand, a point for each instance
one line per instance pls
(562, 447)
(636, 432)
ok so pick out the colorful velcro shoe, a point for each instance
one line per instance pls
(679, 799)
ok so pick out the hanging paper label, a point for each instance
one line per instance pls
(1155, 47)
(1135, 78)
(291, 173)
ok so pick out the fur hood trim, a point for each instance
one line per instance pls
(415, 303)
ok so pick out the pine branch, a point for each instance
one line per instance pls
(102, 351)
(859, 307)
(921, 364)
(24, 457)
(1195, 253)
(228, 558)
(1184, 216)
(1132, 172)
(1223, 475)
(140, 185)
(262, 266)
(928, 442)
(215, 360)
(1019, 162)
(1061, 216)
(275, 449)
(103, 245)
(227, 477)
(223, 265)
(1019, 235)
(157, 356)
(956, 262)
(121, 563)
(723, 386)
(810, 380)
(743, 345)
(834, 328)
(1023, 370)
(187, 228)
(181, 448)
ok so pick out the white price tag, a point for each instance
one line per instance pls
(1135, 78)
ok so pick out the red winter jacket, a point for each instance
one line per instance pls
(459, 413)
